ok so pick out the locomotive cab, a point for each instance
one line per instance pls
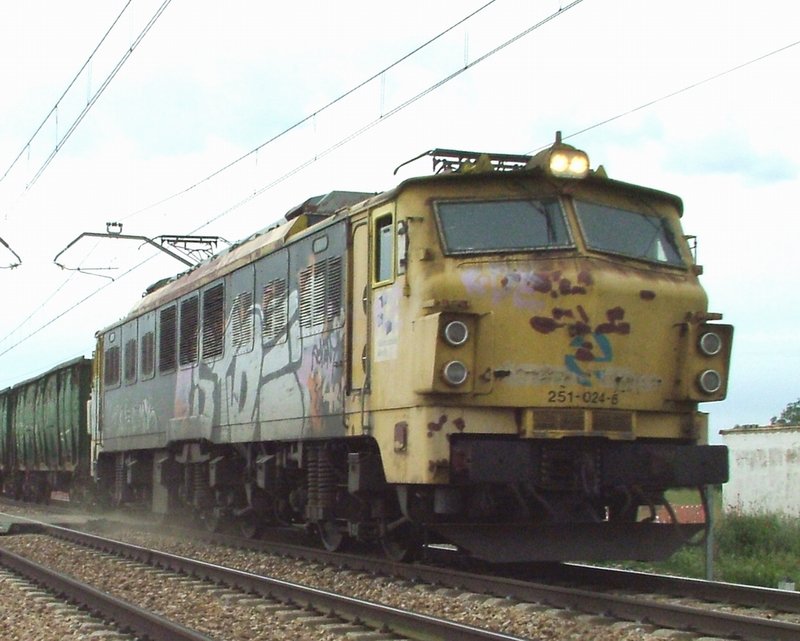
(538, 354)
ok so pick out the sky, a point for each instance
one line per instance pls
(697, 99)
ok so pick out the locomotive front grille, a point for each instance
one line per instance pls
(574, 421)
(560, 420)
(612, 421)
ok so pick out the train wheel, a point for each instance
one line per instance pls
(332, 536)
(402, 543)
(212, 520)
(248, 527)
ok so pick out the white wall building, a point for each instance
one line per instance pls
(764, 470)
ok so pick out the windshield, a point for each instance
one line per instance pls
(469, 227)
(628, 233)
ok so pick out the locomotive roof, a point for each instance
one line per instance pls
(596, 178)
(261, 243)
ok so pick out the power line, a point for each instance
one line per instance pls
(63, 95)
(678, 92)
(386, 116)
(241, 158)
(33, 313)
(314, 114)
(73, 306)
(236, 161)
(98, 93)
(47, 298)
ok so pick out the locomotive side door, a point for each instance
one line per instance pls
(358, 366)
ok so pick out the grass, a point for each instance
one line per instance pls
(755, 550)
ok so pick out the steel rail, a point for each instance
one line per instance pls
(143, 623)
(747, 595)
(681, 617)
(408, 624)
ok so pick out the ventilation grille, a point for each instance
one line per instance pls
(242, 321)
(130, 360)
(568, 420)
(213, 321)
(166, 339)
(148, 354)
(612, 421)
(189, 322)
(320, 294)
(274, 309)
(111, 366)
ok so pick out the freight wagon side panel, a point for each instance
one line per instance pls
(25, 429)
(48, 429)
(5, 431)
(71, 431)
(50, 422)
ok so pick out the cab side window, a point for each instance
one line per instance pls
(384, 249)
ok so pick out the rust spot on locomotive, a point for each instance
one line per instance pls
(438, 466)
(437, 426)
(545, 325)
(615, 315)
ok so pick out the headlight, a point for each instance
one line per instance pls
(455, 373)
(710, 343)
(710, 381)
(569, 163)
(456, 333)
(561, 160)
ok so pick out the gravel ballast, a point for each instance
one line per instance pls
(228, 615)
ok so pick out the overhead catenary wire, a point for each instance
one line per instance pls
(44, 302)
(60, 144)
(255, 150)
(54, 109)
(312, 115)
(385, 116)
(677, 92)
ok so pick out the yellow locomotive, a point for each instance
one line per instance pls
(507, 355)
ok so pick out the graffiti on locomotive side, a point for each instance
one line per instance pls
(616, 379)
(291, 378)
(137, 417)
(588, 345)
(524, 287)
(321, 371)
(386, 323)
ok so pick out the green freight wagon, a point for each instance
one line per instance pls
(5, 423)
(46, 436)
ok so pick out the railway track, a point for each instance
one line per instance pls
(325, 610)
(700, 607)
(549, 583)
(703, 607)
(100, 613)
